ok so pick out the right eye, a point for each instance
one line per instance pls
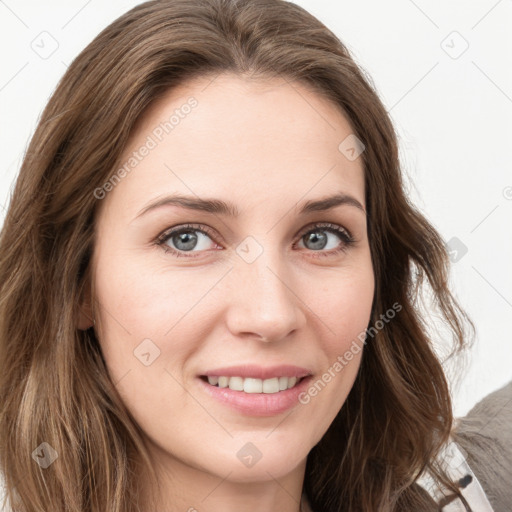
(185, 239)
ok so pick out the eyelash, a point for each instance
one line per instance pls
(346, 237)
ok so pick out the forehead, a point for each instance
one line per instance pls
(239, 138)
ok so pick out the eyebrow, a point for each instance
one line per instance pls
(219, 207)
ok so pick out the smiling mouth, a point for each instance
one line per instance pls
(250, 385)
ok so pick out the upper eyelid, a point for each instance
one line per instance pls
(185, 227)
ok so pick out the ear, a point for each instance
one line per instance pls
(85, 314)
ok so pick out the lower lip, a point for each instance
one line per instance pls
(258, 404)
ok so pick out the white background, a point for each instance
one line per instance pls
(452, 109)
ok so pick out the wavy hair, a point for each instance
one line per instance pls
(54, 384)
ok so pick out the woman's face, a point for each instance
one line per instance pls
(274, 284)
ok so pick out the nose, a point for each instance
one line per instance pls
(264, 302)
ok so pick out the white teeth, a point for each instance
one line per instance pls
(253, 385)
(250, 385)
(270, 385)
(223, 382)
(236, 383)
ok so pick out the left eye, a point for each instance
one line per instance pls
(319, 238)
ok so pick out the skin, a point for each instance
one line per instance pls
(267, 146)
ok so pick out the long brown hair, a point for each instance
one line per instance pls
(54, 385)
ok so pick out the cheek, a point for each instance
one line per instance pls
(147, 332)
(136, 303)
(149, 301)
(344, 307)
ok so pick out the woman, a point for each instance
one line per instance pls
(210, 277)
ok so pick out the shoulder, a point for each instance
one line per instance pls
(484, 436)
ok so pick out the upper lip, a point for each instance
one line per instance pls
(259, 372)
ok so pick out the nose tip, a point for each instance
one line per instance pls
(264, 306)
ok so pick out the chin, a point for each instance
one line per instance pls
(250, 464)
